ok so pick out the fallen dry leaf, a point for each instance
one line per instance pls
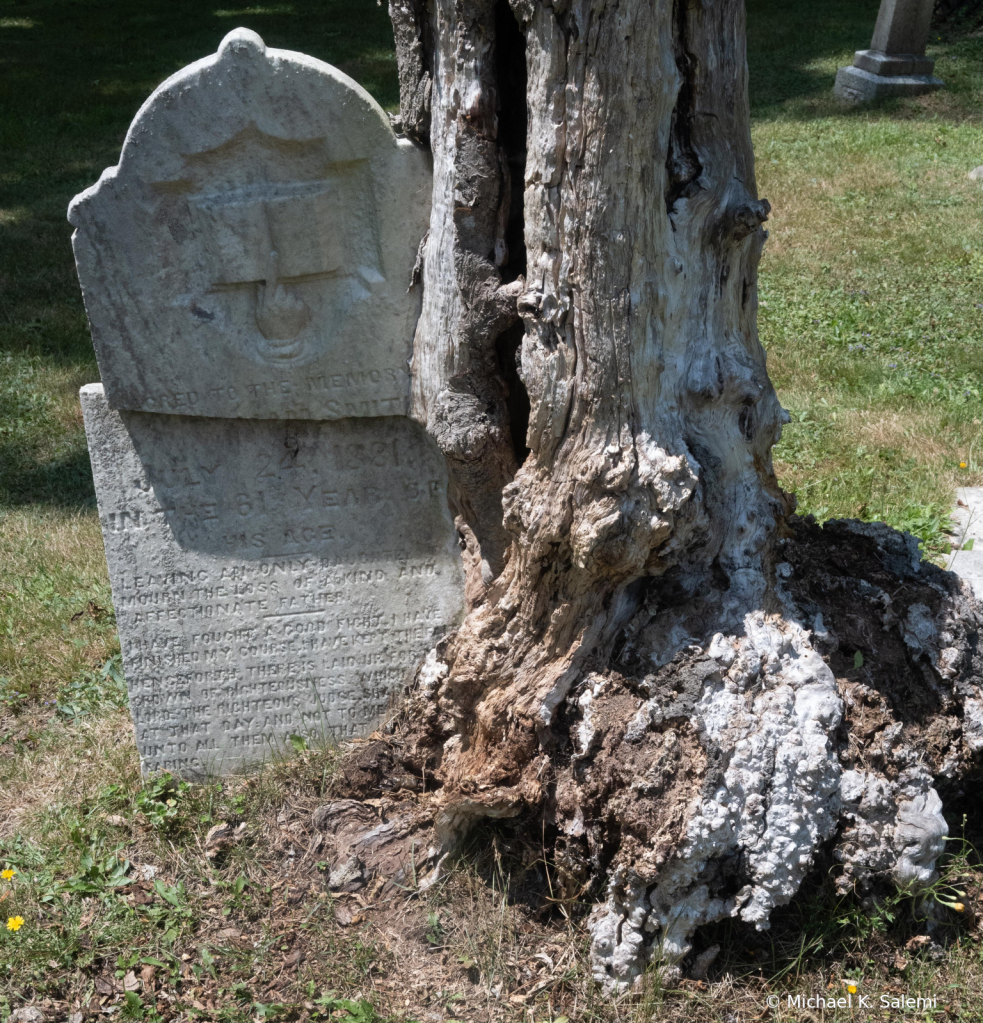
(374, 888)
(221, 838)
(93, 610)
(345, 915)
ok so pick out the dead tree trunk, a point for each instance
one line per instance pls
(650, 658)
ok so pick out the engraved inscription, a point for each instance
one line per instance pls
(270, 578)
(279, 541)
(321, 655)
(331, 393)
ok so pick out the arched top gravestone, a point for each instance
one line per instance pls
(251, 254)
(280, 546)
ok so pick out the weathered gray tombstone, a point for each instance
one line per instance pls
(895, 64)
(279, 542)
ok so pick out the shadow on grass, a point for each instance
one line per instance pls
(794, 48)
(73, 75)
(65, 481)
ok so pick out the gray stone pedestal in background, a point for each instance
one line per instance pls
(895, 64)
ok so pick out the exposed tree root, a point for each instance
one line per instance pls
(655, 663)
(688, 780)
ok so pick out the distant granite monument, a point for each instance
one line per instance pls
(895, 64)
(280, 546)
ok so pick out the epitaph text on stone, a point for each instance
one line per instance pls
(270, 578)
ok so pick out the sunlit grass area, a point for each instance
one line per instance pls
(872, 279)
(871, 306)
(55, 606)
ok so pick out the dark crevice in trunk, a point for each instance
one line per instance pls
(682, 163)
(510, 70)
(507, 349)
(510, 73)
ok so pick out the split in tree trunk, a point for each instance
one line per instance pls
(658, 659)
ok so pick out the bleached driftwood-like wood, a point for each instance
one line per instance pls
(646, 664)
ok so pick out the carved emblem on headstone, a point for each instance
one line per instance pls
(261, 220)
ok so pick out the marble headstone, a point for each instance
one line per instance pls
(968, 520)
(279, 543)
(251, 253)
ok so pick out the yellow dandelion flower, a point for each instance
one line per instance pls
(8, 873)
(852, 988)
(963, 465)
(15, 923)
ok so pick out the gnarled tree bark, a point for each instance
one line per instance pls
(651, 655)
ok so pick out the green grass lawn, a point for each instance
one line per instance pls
(871, 311)
(872, 281)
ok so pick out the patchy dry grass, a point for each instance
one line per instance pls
(123, 907)
(56, 619)
(49, 763)
(872, 309)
